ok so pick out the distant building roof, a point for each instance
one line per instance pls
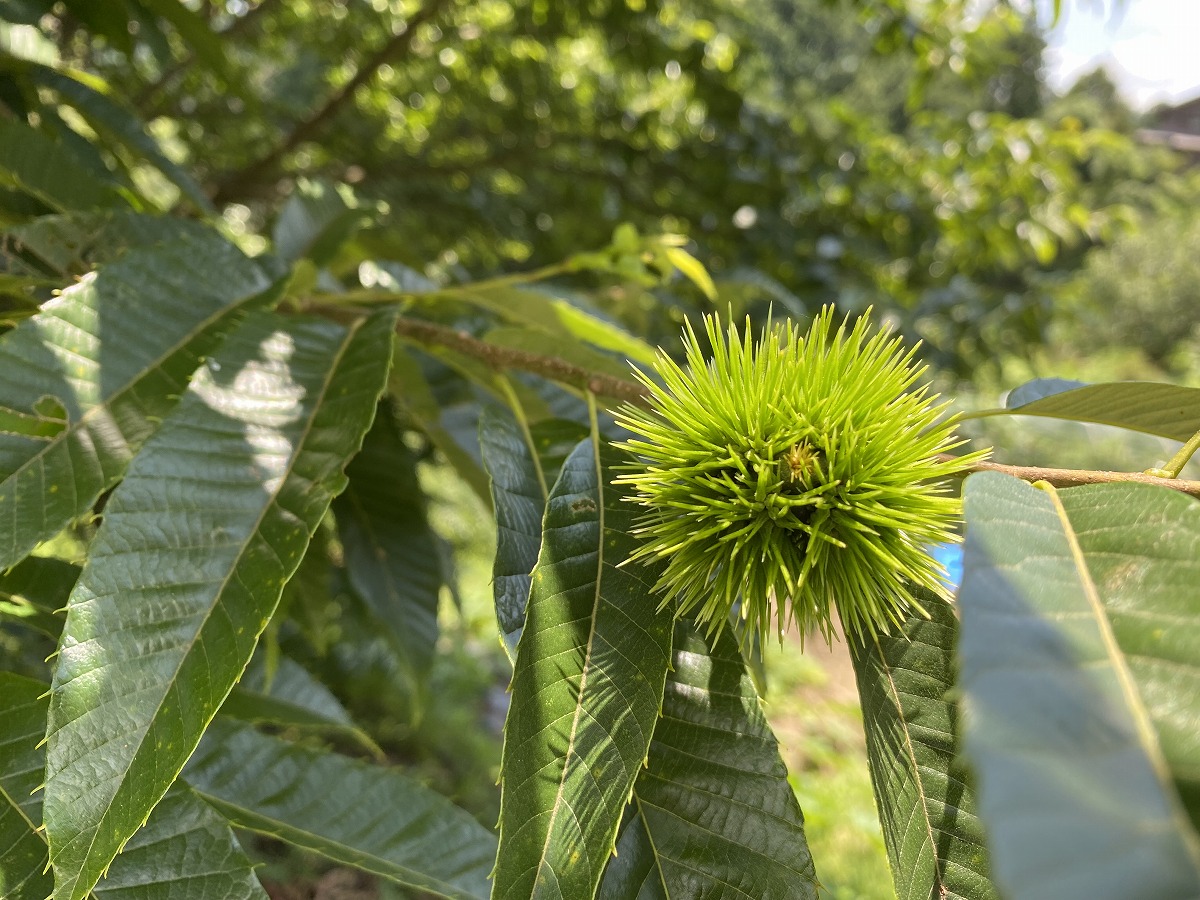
(1177, 127)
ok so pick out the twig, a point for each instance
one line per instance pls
(231, 186)
(501, 358)
(1064, 478)
(629, 391)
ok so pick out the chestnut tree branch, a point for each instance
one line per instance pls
(603, 385)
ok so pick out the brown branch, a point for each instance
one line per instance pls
(233, 184)
(1065, 478)
(501, 358)
(629, 391)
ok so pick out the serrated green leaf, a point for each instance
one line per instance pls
(714, 803)
(1142, 546)
(369, 817)
(522, 463)
(1060, 596)
(186, 849)
(1167, 410)
(22, 850)
(519, 493)
(113, 121)
(290, 697)
(392, 557)
(114, 352)
(211, 520)
(586, 688)
(935, 841)
(35, 591)
(632, 873)
(36, 164)
(74, 243)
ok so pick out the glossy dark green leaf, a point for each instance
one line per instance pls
(22, 850)
(112, 353)
(632, 873)
(35, 591)
(586, 689)
(713, 813)
(36, 164)
(1078, 609)
(361, 815)
(935, 841)
(392, 557)
(185, 850)
(522, 461)
(291, 697)
(1167, 410)
(211, 520)
(519, 491)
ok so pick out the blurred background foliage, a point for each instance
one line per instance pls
(908, 156)
(902, 155)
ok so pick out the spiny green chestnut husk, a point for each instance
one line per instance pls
(792, 476)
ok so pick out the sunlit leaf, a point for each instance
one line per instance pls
(554, 315)
(211, 520)
(589, 675)
(713, 814)
(113, 352)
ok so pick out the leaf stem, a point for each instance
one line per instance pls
(1179, 460)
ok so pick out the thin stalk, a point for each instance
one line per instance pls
(1179, 460)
